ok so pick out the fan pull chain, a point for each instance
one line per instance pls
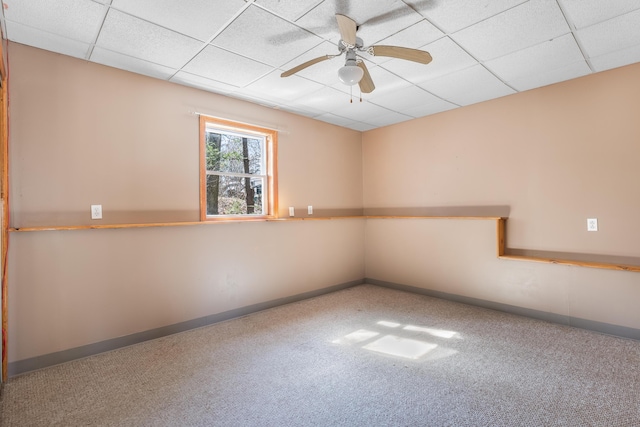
(350, 94)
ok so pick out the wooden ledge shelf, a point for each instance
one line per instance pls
(172, 224)
(235, 221)
(500, 234)
(590, 264)
(501, 247)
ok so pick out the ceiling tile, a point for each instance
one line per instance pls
(415, 36)
(218, 64)
(469, 86)
(184, 78)
(377, 20)
(325, 72)
(134, 37)
(538, 59)
(265, 37)
(333, 119)
(362, 127)
(583, 13)
(33, 37)
(438, 106)
(616, 59)
(200, 19)
(272, 86)
(520, 27)
(447, 57)
(73, 19)
(454, 15)
(612, 35)
(135, 65)
(403, 99)
(367, 112)
(551, 76)
(290, 10)
(326, 100)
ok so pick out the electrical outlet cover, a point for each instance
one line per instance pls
(592, 224)
(96, 211)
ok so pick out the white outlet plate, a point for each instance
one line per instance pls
(592, 224)
(310, 210)
(292, 211)
(96, 211)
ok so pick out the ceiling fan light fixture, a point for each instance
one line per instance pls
(350, 74)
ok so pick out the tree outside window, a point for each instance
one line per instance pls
(237, 170)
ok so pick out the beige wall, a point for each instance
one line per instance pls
(550, 158)
(85, 134)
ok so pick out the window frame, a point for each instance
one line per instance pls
(271, 162)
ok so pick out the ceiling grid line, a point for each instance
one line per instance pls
(481, 50)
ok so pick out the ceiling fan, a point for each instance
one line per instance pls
(355, 70)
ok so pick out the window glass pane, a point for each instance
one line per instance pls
(232, 195)
(228, 152)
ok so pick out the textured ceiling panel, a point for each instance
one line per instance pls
(200, 19)
(274, 87)
(335, 120)
(454, 15)
(538, 59)
(217, 64)
(403, 99)
(325, 100)
(481, 49)
(616, 59)
(469, 86)
(135, 65)
(33, 37)
(518, 28)
(377, 20)
(438, 106)
(265, 37)
(199, 82)
(447, 57)
(367, 112)
(612, 35)
(134, 37)
(547, 77)
(73, 19)
(290, 10)
(583, 13)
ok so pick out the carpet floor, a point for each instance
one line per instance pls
(364, 356)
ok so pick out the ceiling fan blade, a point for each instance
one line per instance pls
(366, 83)
(305, 65)
(347, 28)
(414, 55)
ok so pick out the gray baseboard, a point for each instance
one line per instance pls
(605, 328)
(39, 362)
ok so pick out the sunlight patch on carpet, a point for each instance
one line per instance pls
(401, 347)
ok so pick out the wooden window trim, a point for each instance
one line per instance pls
(271, 137)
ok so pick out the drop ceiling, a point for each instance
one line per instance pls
(482, 49)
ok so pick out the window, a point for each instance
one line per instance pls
(237, 170)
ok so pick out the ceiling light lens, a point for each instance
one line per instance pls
(350, 74)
